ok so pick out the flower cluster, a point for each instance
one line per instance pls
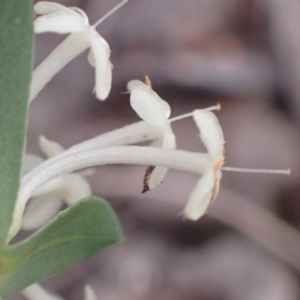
(50, 182)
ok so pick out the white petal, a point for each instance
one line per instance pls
(169, 139)
(156, 177)
(89, 294)
(48, 199)
(36, 292)
(75, 188)
(46, 7)
(91, 59)
(167, 108)
(133, 84)
(158, 174)
(40, 210)
(70, 187)
(157, 143)
(49, 148)
(203, 195)
(101, 53)
(29, 162)
(60, 22)
(211, 133)
(78, 10)
(148, 105)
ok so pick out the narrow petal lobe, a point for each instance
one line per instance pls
(158, 173)
(46, 7)
(148, 105)
(40, 210)
(211, 133)
(203, 195)
(100, 58)
(60, 22)
(50, 148)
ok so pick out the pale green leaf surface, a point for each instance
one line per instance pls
(73, 235)
(16, 44)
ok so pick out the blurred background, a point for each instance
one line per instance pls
(244, 54)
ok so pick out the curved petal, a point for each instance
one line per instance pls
(60, 22)
(49, 148)
(40, 210)
(136, 83)
(158, 173)
(133, 84)
(148, 105)
(48, 199)
(155, 178)
(91, 59)
(100, 58)
(211, 133)
(69, 187)
(167, 108)
(46, 7)
(89, 294)
(203, 195)
(74, 188)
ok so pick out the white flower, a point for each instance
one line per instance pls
(107, 149)
(151, 108)
(207, 188)
(155, 111)
(48, 200)
(104, 150)
(54, 17)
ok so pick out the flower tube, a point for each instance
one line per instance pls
(197, 163)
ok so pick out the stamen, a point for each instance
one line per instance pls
(263, 171)
(216, 107)
(110, 13)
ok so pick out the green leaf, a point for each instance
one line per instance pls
(16, 47)
(73, 235)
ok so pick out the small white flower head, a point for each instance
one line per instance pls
(155, 111)
(207, 188)
(54, 17)
(48, 199)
